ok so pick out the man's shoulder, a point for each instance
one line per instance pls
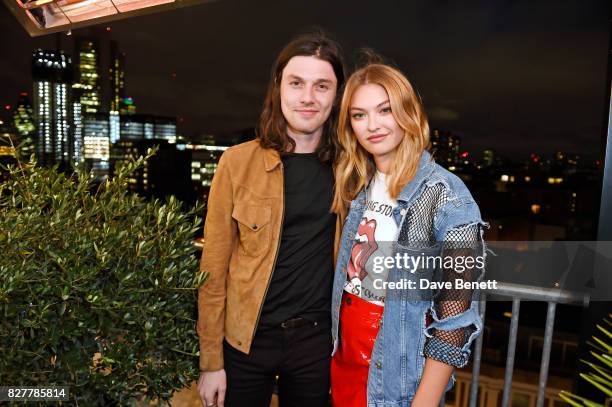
(242, 149)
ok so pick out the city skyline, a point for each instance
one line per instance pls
(530, 78)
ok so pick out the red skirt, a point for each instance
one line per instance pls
(359, 322)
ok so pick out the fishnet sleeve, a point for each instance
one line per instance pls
(455, 321)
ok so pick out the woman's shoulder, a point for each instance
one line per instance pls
(453, 184)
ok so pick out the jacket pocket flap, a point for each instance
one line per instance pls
(253, 217)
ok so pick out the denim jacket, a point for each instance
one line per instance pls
(433, 209)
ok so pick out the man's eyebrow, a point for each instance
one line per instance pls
(377, 106)
(292, 76)
(320, 80)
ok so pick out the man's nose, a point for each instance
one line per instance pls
(307, 96)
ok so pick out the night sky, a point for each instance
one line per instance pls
(515, 76)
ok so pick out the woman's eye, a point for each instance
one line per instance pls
(357, 115)
(386, 110)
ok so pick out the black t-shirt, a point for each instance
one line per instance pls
(302, 279)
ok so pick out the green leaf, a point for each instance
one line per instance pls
(101, 264)
(595, 383)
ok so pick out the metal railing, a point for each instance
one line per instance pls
(517, 293)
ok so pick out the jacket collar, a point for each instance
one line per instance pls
(426, 167)
(271, 159)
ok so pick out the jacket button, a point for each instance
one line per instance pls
(239, 343)
(254, 227)
(378, 364)
(348, 301)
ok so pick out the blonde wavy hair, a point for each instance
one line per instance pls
(354, 165)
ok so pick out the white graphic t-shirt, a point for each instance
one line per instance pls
(377, 230)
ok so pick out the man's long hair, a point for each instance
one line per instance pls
(355, 166)
(272, 128)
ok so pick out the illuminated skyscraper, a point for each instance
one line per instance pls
(96, 143)
(23, 117)
(166, 173)
(117, 77)
(23, 121)
(52, 74)
(87, 53)
(445, 146)
(205, 152)
(114, 123)
(77, 121)
(148, 127)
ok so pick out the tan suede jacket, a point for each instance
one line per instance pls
(242, 236)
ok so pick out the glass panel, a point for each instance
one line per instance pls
(129, 5)
(86, 10)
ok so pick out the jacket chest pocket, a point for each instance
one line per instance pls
(253, 228)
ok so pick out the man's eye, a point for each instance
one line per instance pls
(323, 87)
(294, 83)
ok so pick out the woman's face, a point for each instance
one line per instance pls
(374, 124)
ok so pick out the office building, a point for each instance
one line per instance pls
(205, 152)
(96, 143)
(52, 75)
(148, 127)
(87, 58)
(23, 116)
(117, 77)
(446, 148)
(164, 174)
(23, 122)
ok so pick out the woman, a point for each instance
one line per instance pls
(397, 341)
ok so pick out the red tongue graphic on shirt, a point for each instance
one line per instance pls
(363, 248)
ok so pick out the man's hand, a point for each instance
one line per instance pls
(211, 388)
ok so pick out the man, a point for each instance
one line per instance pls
(264, 310)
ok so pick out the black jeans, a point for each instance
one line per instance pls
(299, 354)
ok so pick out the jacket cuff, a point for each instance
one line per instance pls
(445, 352)
(211, 361)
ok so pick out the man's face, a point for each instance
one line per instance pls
(307, 93)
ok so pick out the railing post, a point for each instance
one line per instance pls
(548, 334)
(516, 305)
(478, 354)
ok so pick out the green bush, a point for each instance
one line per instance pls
(98, 287)
(600, 369)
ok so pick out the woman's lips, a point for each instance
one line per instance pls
(377, 138)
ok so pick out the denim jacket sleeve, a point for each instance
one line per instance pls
(455, 320)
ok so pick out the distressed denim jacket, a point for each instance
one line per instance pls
(435, 214)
